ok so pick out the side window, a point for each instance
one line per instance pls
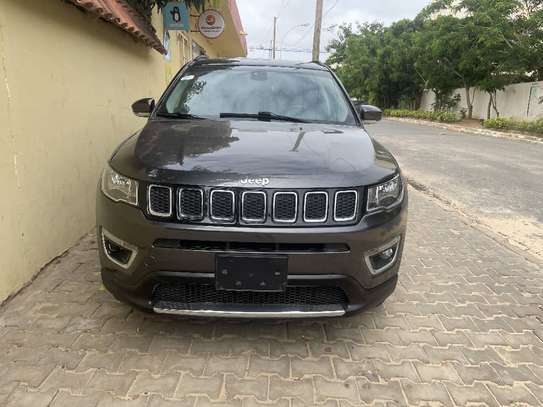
(174, 100)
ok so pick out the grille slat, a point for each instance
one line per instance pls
(222, 205)
(345, 206)
(315, 207)
(191, 203)
(207, 294)
(253, 206)
(160, 201)
(285, 207)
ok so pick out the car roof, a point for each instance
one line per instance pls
(203, 61)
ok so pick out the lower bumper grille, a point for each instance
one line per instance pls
(194, 295)
(251, 247)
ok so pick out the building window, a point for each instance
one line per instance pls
(184, 48)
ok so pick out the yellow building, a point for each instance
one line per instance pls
(69, 71)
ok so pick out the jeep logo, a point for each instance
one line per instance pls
(255, 181)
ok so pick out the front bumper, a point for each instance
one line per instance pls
(154, 265)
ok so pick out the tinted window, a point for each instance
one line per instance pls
(301, 93)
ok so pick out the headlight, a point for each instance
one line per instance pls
(118, 187)
(385, 195)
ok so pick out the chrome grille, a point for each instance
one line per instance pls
(159, 201)
(257, 207)
(345, 206)
(222, 205)
(315, 207)
(285, 207)
(191, 203)
(253, 206)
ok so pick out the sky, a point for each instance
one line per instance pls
(257, 18)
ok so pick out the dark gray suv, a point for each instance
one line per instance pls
(252, 191)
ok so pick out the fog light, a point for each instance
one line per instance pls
(387, 254)
(117, 250)
(382, 258)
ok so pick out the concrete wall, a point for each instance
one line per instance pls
(67, 80)
(521, 100)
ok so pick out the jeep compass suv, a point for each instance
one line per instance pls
(253, 191)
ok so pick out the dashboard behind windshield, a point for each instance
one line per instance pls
(305, 94)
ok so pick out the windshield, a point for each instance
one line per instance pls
(303, 94)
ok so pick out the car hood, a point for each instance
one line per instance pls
(227, 153)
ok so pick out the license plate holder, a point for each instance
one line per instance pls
(251, 273)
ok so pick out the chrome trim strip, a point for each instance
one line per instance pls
(263, 219)
(350, 191)
(150, 210)
(393, 243)
(181, 215)
(122, 243)
(325, 212)
(293, 220)
(233, 205)
(250, 314)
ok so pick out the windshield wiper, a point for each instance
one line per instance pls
(181, 116)
(263, 116)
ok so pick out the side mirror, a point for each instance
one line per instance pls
(143, 107)
(369, 112)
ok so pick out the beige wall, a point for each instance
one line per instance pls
(71, 80)
(67, 80)
(521, 100)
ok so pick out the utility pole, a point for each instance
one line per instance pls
(317, 33)
(274, 36)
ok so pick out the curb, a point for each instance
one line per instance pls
(470, 130)
(511, 244)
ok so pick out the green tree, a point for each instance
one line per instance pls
(452, 56)
(376, 63)
(504, 46)
(494, 22)
(405, 84)
(485, 44)
(355, 59)
(528, 20)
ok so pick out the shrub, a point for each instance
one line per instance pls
(528, 126)
(443, 117)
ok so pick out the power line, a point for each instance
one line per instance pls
(283, 6)
(299, 50)
(305, 34)
(286, 3)
(330, 9)
(313, 25)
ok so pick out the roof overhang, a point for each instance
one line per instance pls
(121, 14)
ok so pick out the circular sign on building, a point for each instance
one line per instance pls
(211, 24)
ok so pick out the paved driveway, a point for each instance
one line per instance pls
(464, 326)
(498, 182)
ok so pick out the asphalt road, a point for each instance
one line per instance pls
(498, 182)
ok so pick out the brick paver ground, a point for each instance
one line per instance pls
(464, 327)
